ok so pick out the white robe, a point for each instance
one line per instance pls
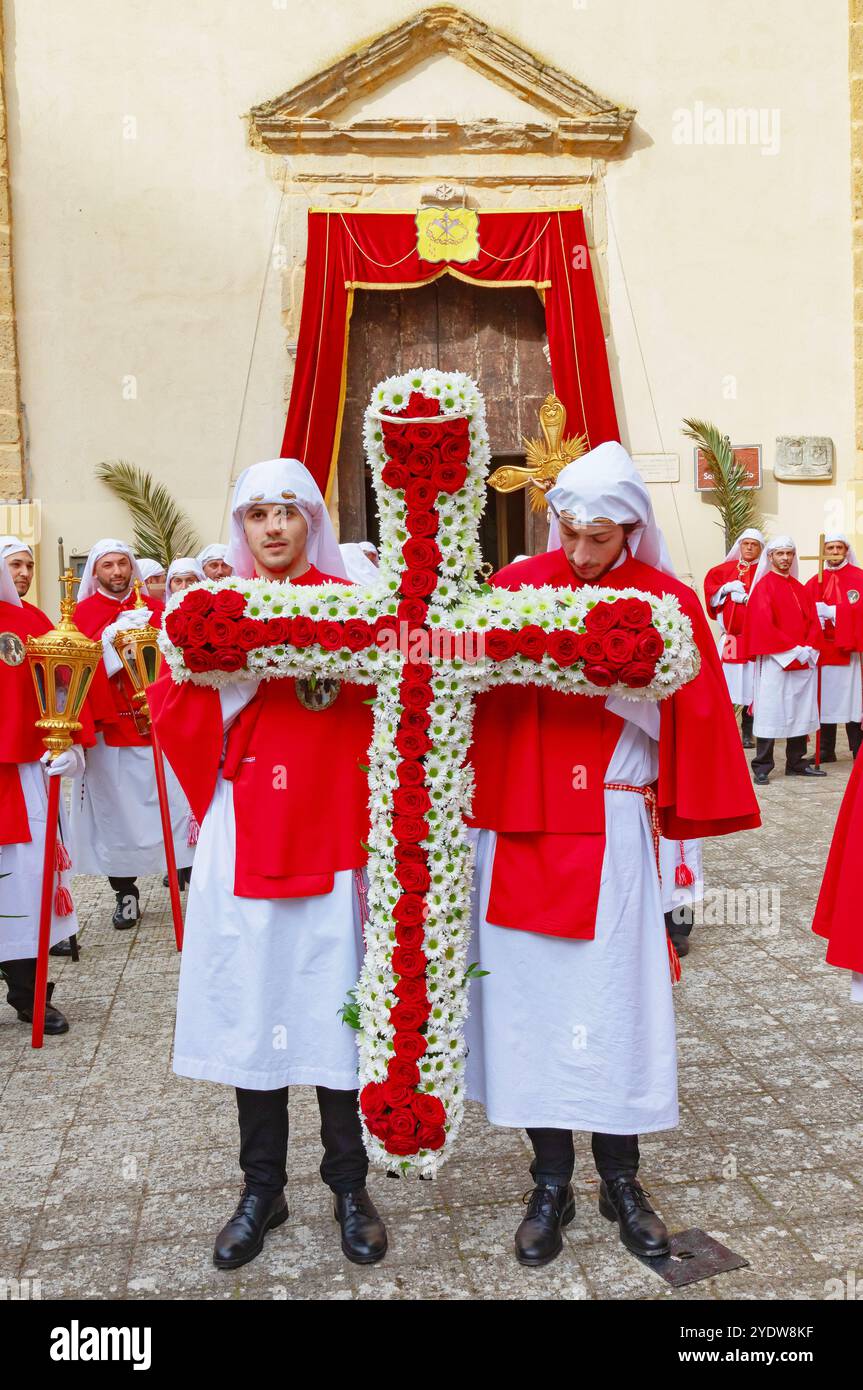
(567, 1034)
(21, 892)
(263, 980)
(739, 675)
(842, 693)
(669, 859)
(785, 702)
(115, 825)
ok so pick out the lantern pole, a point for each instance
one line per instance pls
(132, 645)
(168, 837)
(61, 658)
(40, 989)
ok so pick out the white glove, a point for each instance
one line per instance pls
(68, 764)
(134, 618)
(826, 612)
(807, 655)
(234, 698)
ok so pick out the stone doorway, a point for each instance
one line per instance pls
(496, 336)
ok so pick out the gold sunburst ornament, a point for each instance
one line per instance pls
(544, 457)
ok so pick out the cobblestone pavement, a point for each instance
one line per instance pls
(115, 1174)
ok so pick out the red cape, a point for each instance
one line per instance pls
(837, 914)
(300, 794)
(540, 756)
(110, 700)
(780, 615)
(844, 588)
(20, 740)
(732, 614)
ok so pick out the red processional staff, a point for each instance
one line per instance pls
(138, 649)
(62, 663)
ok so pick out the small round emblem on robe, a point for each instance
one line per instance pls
(12, 649)
(321, 695)
(853, 595)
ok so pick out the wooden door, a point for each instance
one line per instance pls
(497, 337)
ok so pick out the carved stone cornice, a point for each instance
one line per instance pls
(572, 118)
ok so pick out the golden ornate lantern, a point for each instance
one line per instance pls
(62, 663)
(138, 650)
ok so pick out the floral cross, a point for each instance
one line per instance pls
(429, 636)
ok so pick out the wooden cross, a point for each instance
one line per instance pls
(820, 557)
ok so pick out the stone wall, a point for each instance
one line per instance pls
(11, 454)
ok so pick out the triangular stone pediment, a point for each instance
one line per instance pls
(353, 105)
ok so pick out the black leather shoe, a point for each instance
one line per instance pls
(364, 1235)
(538, 1239)
(748, 741)
(761, 779)
(807, 771)
(63, 948)
(55, 1022)
(242, 1238)
(828, 757)
(127, 913)
(625, 1201)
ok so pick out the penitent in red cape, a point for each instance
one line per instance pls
(732, 614)
(540, 757)
(843, 588)
(20, 740)
(300, 791)
(837, 914)
(780, 615)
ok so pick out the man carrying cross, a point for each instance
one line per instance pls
(573, 1027)
(837, 593)
(273, 935)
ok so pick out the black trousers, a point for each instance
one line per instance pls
(746, 721)
(679, 920)
(795, 753)
(615, 1155)
(124, 885)
(263, 1117)
(828, 738)
(20, 977)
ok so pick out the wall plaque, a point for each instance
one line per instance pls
(803, 458)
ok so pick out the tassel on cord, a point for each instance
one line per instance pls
(683, 875)
(194, 830)
(61, 858)
(673, 960)
(63, 904)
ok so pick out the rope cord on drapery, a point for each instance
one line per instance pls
(646, 373)
(389, 265)
(269, 261)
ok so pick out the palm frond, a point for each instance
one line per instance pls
(736, 503)
(162, 529)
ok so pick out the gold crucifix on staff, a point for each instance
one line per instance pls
(544, 457)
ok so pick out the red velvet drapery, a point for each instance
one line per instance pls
(545, 248)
